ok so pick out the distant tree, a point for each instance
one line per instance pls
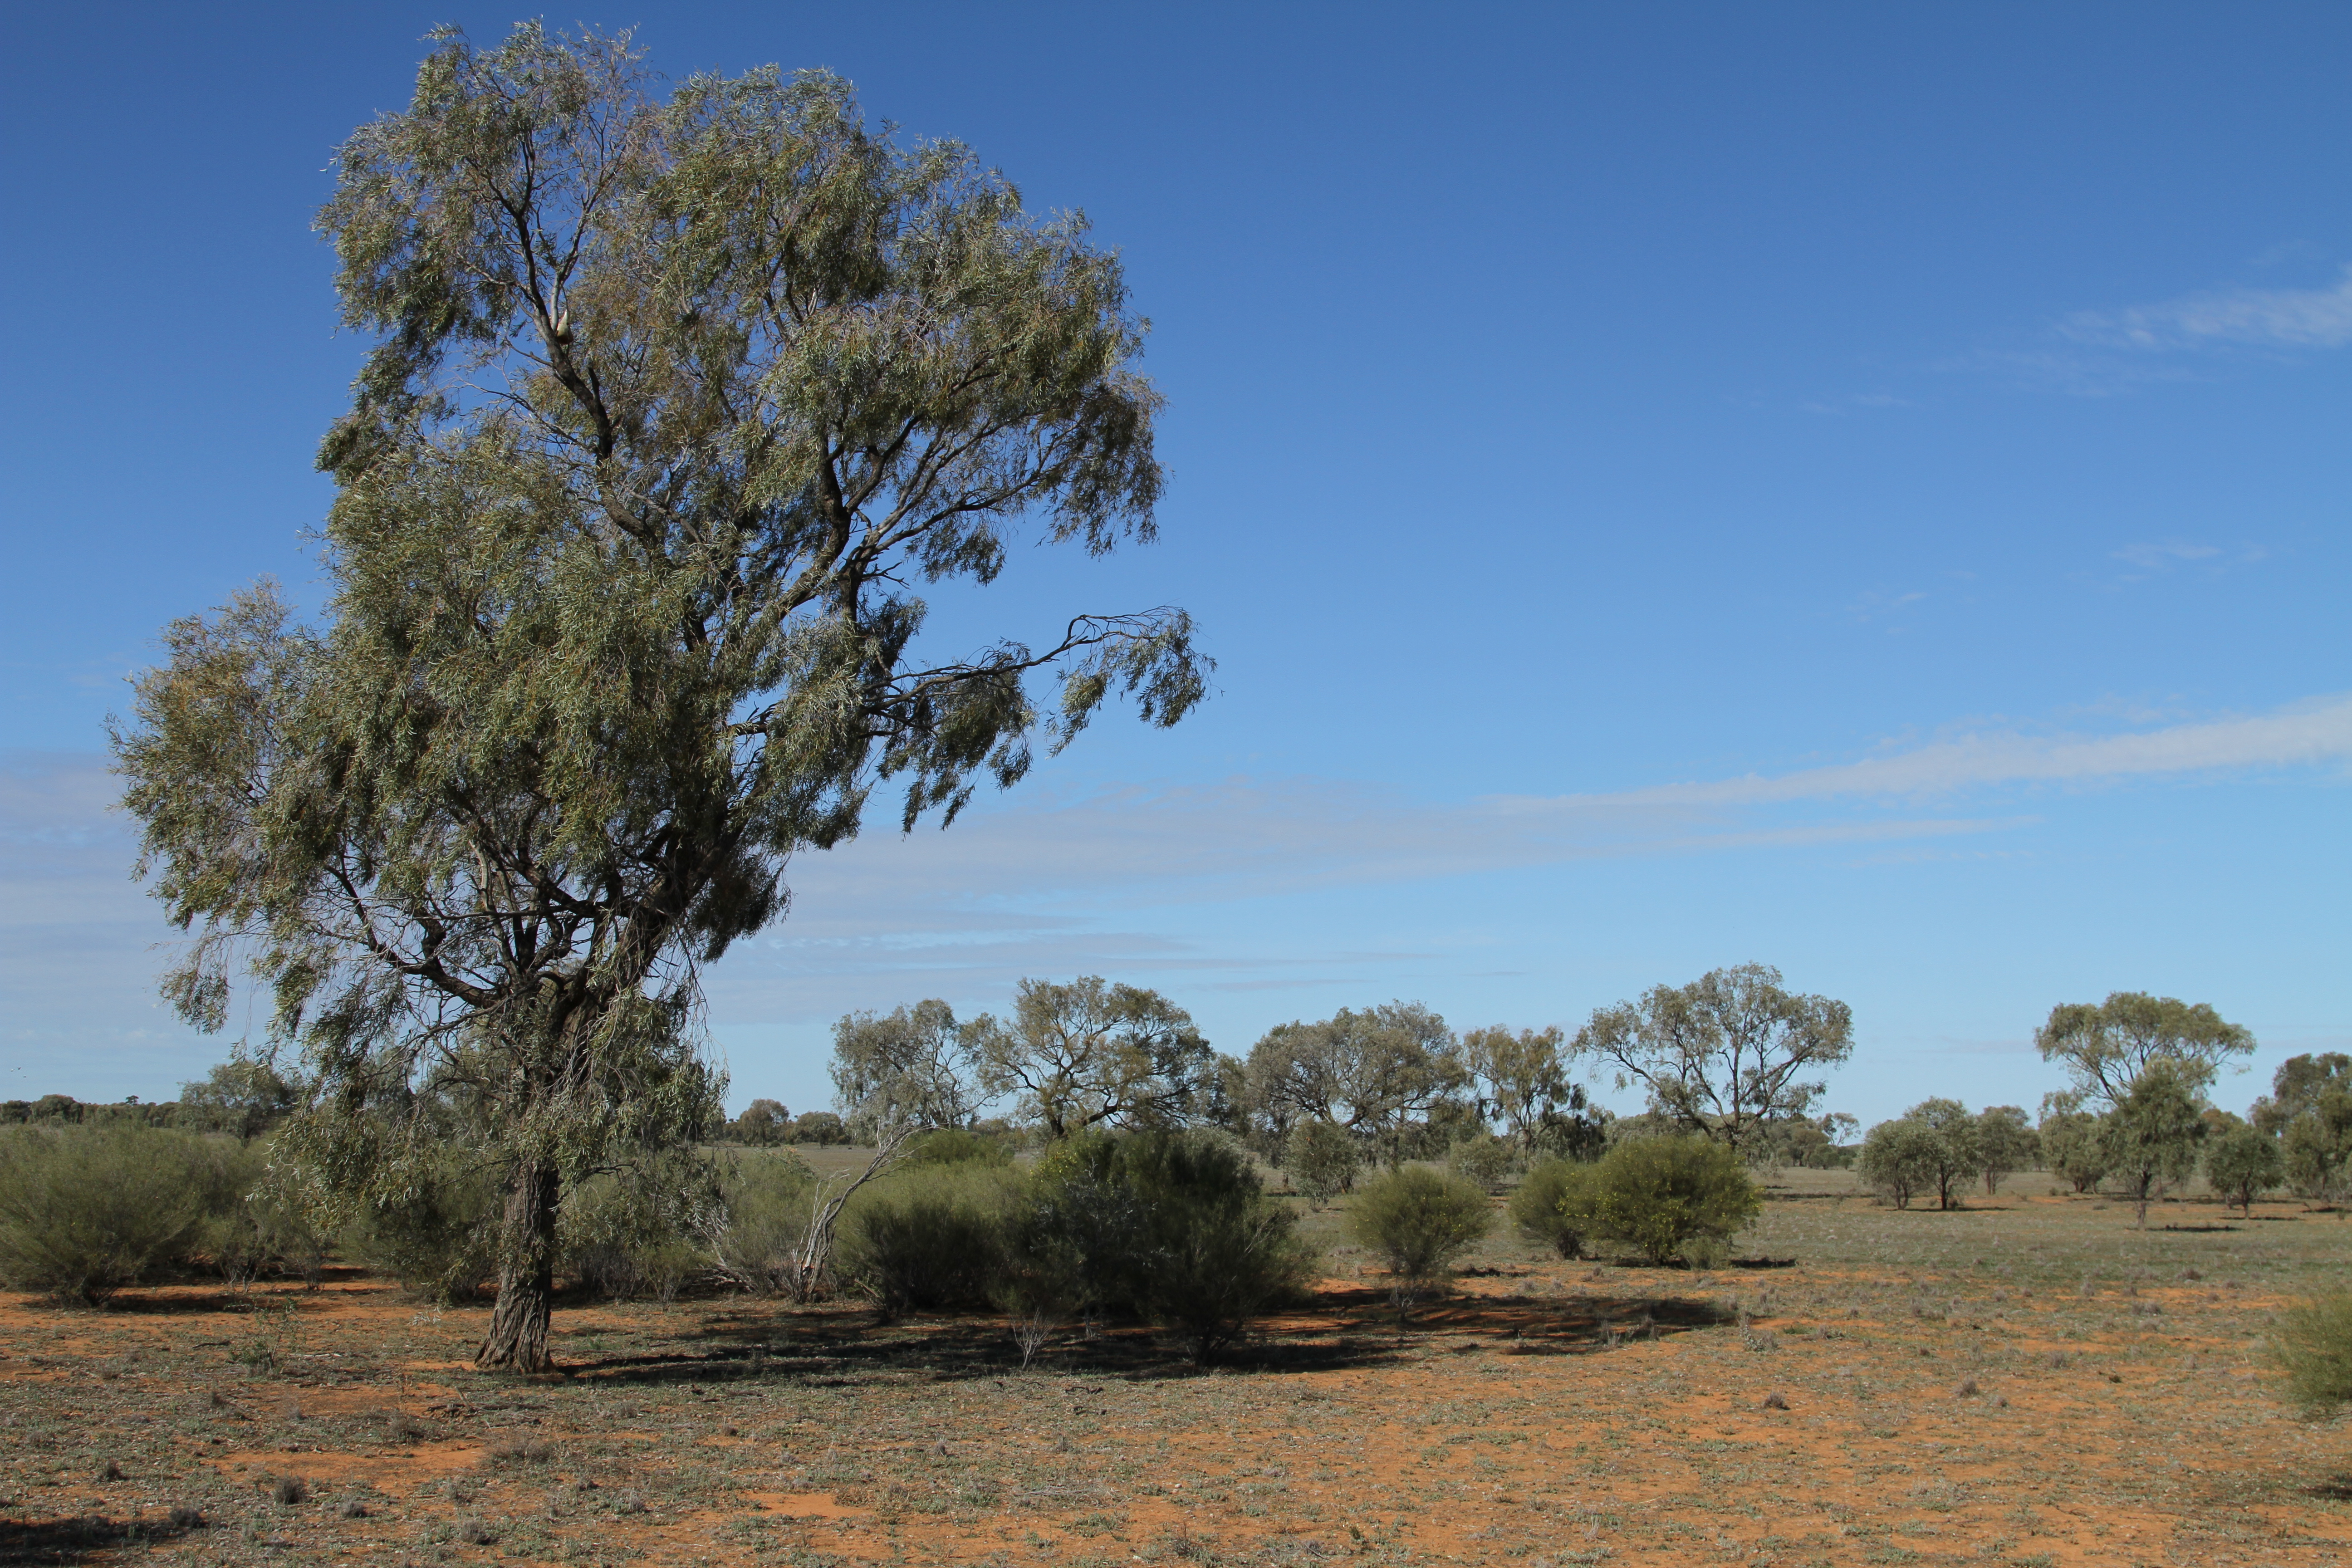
(1520, 1079)
(59, 1108)
(2151, 1138)
(1899, 1159)
(243, 1095)
(1092, 1053)
(914, 1064)
(820, 1128)
(1959, 1148)
(2006, 1143)
(2309, 1111)
(762, 1124)
(1375, 1072)
(670, 402)
(1321, 1158)
(2242, 1164)
(1726, 1055)
(2070, 1141)
(2108, 1045)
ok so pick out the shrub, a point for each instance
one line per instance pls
(957, 1146)
(85, 1211)
(1483, 1161)
(436, 1236)
(1321, 1158)
(1899, 1160)
(2070, 1145)
(1212, 1250)
(1418, 1221)
(1174, 1227)
(1542, 1207)
(929, 1236)
(2242, 1164)
(1666, 1196)
(2313, 1346)
(627, 1235)
(756, 1229)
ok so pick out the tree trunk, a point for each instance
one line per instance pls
(517, 1338)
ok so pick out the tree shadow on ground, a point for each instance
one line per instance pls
(836, 1346)
(72, 1540)
(1528, 1325)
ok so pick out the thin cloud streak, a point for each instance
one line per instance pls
(2273, 317)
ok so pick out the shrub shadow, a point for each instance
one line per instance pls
(71, 1539)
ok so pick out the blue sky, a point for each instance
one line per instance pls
(1856, 487)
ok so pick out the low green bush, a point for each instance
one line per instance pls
(1418, 1221)
(957, 1146)
(1483, 1161)
(928, 1236)
(435, 1232)
(2313, 1346)
(1543, 1207)
(1322, 1159)
(1211, 1250)
(86, 1211)
(761, 1218)
(1667, 1197)
(629, 1233)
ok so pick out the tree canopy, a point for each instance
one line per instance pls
(2108, 1045)
(673, 405)
(1727, 1054)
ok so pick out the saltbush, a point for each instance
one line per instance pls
(1667, 1197)
(2313, 1346)
(1543, 1208)
(86, 1211)
(1418, 1221)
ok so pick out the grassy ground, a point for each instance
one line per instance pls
(2030, 1381)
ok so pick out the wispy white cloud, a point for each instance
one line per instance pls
(2311, 734)
(2266, 317)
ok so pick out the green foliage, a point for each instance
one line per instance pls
(2241, 1164)
(959, 1146)
(1548, 1206)
(1322, 1159)
(2152, 1136)
(241, 1096)
(1935, 1146)
(2309, 1109)
(1385, 1074)
(628, 1233)
(2006, 1143)
(1210, 1249)
(1727, 1056)
(1666, 1196)
(2070, 1145)
(1484, 1160)
(929, 1236)
(602, 650)
(2108, 1046)
(1899, 1159)
(1418, 1221)
(86, 1211)
(2313, 1346)
(763, 1124)
(755, 1231)
(436, 1233)
(1092, 1053)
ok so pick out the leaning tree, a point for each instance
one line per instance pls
(674, 404)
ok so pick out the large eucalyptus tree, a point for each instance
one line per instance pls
(674, 404)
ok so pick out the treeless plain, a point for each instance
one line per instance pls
(2028, 1381)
